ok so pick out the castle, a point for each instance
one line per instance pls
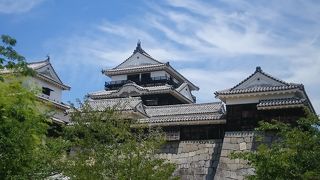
(199, 135)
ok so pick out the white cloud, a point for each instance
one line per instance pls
(18, 6)
(210, 81)
(216, 45)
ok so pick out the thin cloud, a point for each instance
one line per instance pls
(18, 6)
(216, 45)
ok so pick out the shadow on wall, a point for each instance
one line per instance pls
(196, 159)
(238, 141)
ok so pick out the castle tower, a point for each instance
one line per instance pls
(263, 97)
(142, 76)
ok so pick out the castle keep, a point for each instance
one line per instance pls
(200, 136)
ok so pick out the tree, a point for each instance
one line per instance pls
(25, 151)
(295, 154)
(104, 146)
(10, 59)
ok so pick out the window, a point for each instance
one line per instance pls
(146, 77)
(134, 77)
(151, 102)
(46, 91)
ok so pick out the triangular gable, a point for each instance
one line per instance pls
(259, 79)
(137, 59)
(49, 72)
(185, 91)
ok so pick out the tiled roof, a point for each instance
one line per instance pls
(261, 87)
(117, 103)
(212, 113)
(258, 89)
(53, 79)
(136, 67)
(150, 88)
(32, 65)
(189, 119)
(39, 64)
(184, 114)
(146, 67)
(280, 102)
(183, 109)
(102, 92)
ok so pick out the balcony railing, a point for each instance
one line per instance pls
(152, 81)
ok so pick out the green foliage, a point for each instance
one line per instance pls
(10, 59)
(294, 155)
(25, 151)
(104, 146)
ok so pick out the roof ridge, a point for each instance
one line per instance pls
(37, 62)
(116, 99)
(185, 114)
(137, 67)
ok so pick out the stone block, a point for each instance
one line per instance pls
(191, 154)
(234, 140)
(230, 174)
(249, 146)
(195, 158)
(248, 139)
(201, 163)
(209, 145)
(198, 151)
(240, 140)
(183, 160)
(207, 163)
(242, 146)
(210, 150)
(225, 153)
(226, 140)
(231, 146)
(237, 161)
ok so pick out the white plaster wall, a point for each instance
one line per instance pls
(55, 95)
(137, 60)
(186, 92)
(259, 79)
(256, 99)
(118, 77)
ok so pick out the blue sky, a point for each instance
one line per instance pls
(215, 44)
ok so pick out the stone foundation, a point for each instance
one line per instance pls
(235, 168)
(194, 159)
(209, 159)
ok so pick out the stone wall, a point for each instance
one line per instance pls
(235, 168)
(209, 159)
(194, 159)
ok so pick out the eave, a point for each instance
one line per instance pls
(149, 68)
(281, 106)
(181, 123)
(223, 97)
(58, 84)
(54, 103)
